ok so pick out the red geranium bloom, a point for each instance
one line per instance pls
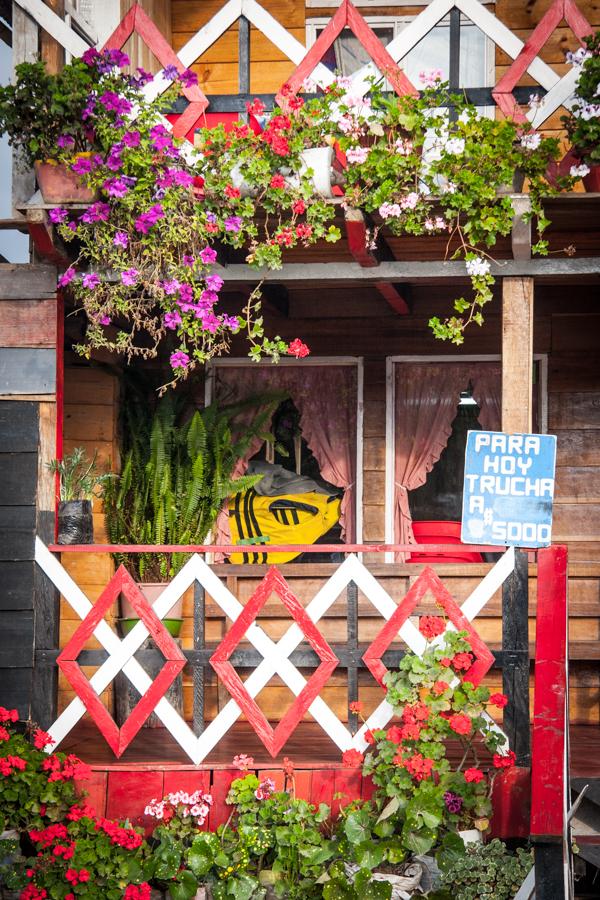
(8, 715)
(394, 734)
(440, 687)
(460, 723)
(431, 626)
(419, 766)
(298, 349)
(398, 760)
(504, 761)
(277, 181)
(474, 775)
(299, 207)
(446, 662)
(41, 739)
(499, 700)
(4, 735)
(411, 732)
(232, 192)
(256, 108)
(356, 706)
(462, 661)
(304, 230)
(352, 759)
(369, 736)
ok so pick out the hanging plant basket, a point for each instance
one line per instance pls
(591, 181)
(59, 184)
(75, 522)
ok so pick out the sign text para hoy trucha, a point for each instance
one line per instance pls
(509, 488)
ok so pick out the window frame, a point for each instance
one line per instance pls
(390, 402)
(357, 361)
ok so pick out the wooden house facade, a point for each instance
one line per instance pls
(362, 310)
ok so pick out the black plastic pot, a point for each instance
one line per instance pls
(75, 522)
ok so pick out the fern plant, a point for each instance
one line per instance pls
(176, 476)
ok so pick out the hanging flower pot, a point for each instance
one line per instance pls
(75, 522)
(319, 160)
(59, 184)
(591, 181)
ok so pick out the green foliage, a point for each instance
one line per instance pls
(487, 872)
(583, 122)
(39, 107)
(79, 476)
(176, 475)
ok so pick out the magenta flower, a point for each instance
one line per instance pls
(179, 360)
(65, 140)
(148, 219)
(97, 212)
(118, 58)
(186, 294)
(113, 160)
(453, 802)
(142, 77)
(90, 56)
(121, 239)
(214, 282)
(188, 78)
(82, 165)
(208, 255)
(103, 320)
(117, 187)
(188, 260)
(67, 277)
(57, 215)
(129, 277)
(209, 297)
(231, 322)
(91, 281)
(172, 320)
(132, 139)
(233, 223)
(171, 72)
(112, 102)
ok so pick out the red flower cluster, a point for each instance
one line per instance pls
(352, 759)
(47, 836)
(410, 732)
(304, 230)
(460, 723)
(298, 207)
(462, 661)
(394, 734)
(41, 739)
(70, 767)
(274, 137)
(256, 108)
(431, 626)
(10, 764)
(79, 812)
(4, 734)
(121, 837)
(141, 891)
(504, 761)
(499, 700)
(32, 892)
(440, 687)
(298, 349)
(356, 706)
(232, 192)
(77, 877)
(419, 766)
(418, 712)
(8, 715)
(474, 776)
(67, 852)
(277, 181)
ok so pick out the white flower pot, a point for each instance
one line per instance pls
(471, 836)
(319, 160)
(238, 181)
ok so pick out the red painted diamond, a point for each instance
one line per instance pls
(428, 581)
(273, 739)
(119, 738)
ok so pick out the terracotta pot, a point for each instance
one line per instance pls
(591, 181)
(59, 184)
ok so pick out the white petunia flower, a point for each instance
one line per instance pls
(477, 266)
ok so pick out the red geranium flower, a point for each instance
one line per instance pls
(369, 736)
(419, 766)
(352, 759)
(299, 207)
(460, 723)
(504, 761)
(356, 706)
(298, 349)
(431, 626)
(41, 739)
(474, 775)
(499, 700)
(256, 108)
(440, 687)
(446, 662)
(411, 732)
(394, 734)
(277, 181)
(232, 192)
(462, 661)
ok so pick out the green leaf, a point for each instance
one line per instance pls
(389, 809)
(185, 888)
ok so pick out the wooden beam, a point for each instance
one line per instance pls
(24, 49)
(51, 52)
(521, 229)
(42, 235)
(394, 297)
(359, 243)
(24, 282)
(517, 354)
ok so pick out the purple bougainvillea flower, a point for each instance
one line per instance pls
(91, 281)
(208, 255)
(67, 277)
(214, 282)
(129, 276)
(171, 72)
(57, 215)
(233, 223)
(65, 140)
(188, 260)
(121, 239)
(179, 360)
(188, 78)
(172, 320)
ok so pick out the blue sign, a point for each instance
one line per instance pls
(509, 489)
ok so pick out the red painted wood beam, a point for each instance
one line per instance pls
(549, 710)
(359, 243)
(274, 548)
(393, 296)
(42, 236)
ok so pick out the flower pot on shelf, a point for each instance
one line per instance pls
(591, 181)
(75, 522)
(319, 160)
(59, 184)
(172, 621)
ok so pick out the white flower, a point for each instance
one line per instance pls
(579, 57)
(448, 188)
(579, 171)
(410, 201)
(390, 210)
(431, 77)
(477, 266)
(535, 101)
(357, 154)
(403, 147)
(455, 145)
(531, 141)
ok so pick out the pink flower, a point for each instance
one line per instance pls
(91, 281)
(179, 360)
(129, 277)
(243, 762)
(172, 320)
(431, 77)
(208, 255)
(121, 239)
(67, 277)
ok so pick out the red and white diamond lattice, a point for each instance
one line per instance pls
(275, 654)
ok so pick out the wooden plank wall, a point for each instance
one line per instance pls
(160, 13)
(91, 409)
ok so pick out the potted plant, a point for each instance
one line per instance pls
(79, 481)
(583, 120)
(484, 866)
(47, 118)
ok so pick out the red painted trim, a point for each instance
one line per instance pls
(427, 582)
(273, 738)
(117, 738)
(549, 705)
(274, 548)
(393, 297)
(40, 234)
(356, 235)
(60, 397)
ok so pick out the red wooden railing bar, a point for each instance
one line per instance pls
(276, 548)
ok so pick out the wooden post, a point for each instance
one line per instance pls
(25, 49)
(51, 52)
(517, 354)
(515, 655)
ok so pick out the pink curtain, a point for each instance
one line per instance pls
(427, 396)
(326, 398)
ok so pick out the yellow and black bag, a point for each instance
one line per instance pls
(256, 521)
